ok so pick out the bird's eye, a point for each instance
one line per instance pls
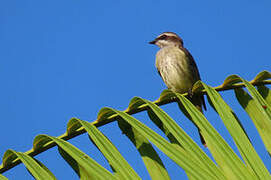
(163, 37)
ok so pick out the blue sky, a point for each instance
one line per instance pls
(63, 59)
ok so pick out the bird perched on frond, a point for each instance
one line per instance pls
(178, 68)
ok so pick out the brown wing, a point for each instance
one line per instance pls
(193, 66)
(194, 69)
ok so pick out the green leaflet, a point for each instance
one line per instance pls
(177, 134)
(82, 164)
(229, 162)
(260, 120)
(3, 177)
(266, 93)
(149, 156)
(230, 120)
(178, 155)
(37, 169)
(119, 164)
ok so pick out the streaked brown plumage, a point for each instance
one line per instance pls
(177, 67)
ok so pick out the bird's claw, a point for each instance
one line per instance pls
(190, 93)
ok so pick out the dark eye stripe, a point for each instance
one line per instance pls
(162, 37)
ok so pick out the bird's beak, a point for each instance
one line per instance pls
(152, 42)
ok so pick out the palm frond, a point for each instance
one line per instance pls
(178, 146)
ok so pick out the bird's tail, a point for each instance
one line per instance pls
(199, 102)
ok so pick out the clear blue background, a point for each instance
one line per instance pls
(63, 59)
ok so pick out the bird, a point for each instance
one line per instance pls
(178, 68)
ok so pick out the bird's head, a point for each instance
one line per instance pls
(167, 39)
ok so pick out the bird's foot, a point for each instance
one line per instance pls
(190, 93)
